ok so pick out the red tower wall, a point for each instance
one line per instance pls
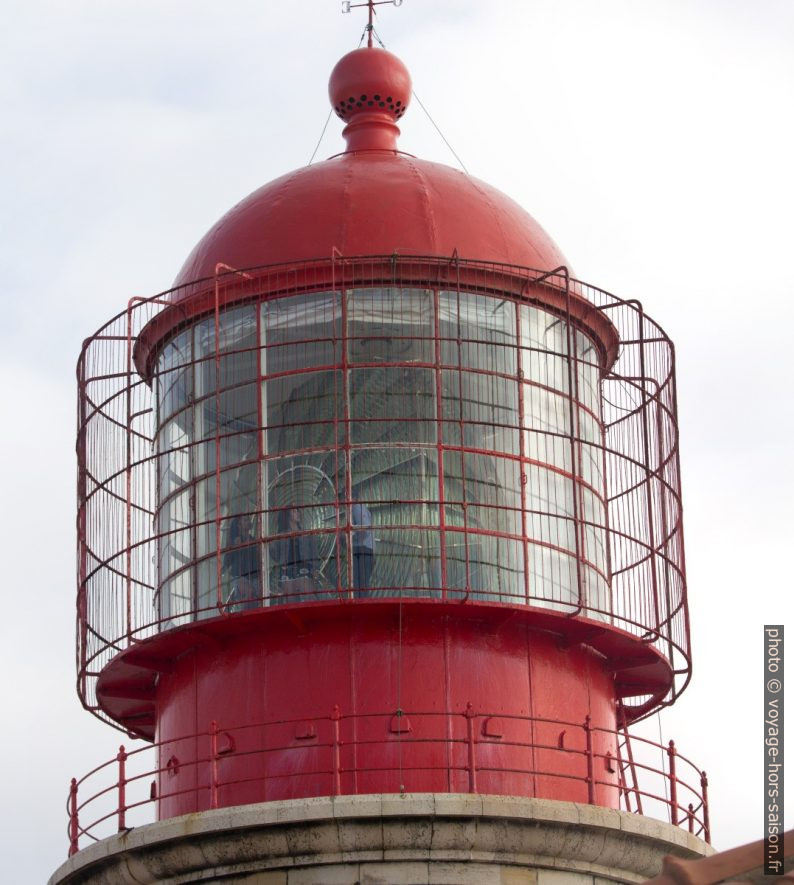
(355, 694)
(273, 693)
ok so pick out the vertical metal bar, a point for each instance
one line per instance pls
(74, 823)
(336, 360)
(588, 733)
(573, 422)
(261, 482)
(128, 477)
(82, 470)
(442, 514)
(346, 445)
(522, 450)
(649, 472)
(213, 764)
(462, 432)
(691, 818)
(704, 792)
(193, 457)
(217, 313)
(218, 560)
(681, 552)
(470, 740)
(336, 755)
(122, 787)
(668, 615)
(603, 486)
(630, 758)
(671, 754)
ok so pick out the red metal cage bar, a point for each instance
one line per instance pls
(120, 456)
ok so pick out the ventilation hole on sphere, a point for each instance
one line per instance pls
(370, 103)
(399, 103)
(389, 100)
(351, 99)
(363, 97)
(358, 104)
(376, 97)
(382, 104)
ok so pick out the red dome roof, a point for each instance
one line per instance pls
(373, 203)
(372, 200)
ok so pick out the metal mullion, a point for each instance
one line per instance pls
(461, 427)
(346, 445)
(649, 475)
(262, 490)
(218, 561)
(522, 451)
(442, 515)
(191, 484)
(570, 341)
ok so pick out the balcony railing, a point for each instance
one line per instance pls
(136, 786)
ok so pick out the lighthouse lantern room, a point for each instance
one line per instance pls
(379, 498)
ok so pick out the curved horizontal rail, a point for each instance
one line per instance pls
(671, 788)
(122, 452)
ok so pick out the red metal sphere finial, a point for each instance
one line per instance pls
(370, 90)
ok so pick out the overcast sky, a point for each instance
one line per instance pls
(653, 140)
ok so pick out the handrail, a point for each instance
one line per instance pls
(117, 793)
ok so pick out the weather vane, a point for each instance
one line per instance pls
(370, 4)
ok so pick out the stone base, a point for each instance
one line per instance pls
(433, 839)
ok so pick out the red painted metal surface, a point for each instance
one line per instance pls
(370, 90)
(529, 560)
(466, 744)
(119, 539)
(372, 203)
(420, 657)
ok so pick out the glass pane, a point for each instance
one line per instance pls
(301, 410)
(174, 464)
(177, 599)
(485, 407)
(477, 332)
(392, 405)
(543, 330)
(301, 331)
(553, 580)
(490, 487)
(238, 497)
(399, 485)
(390, 326)
(238, 351)
(495, 566)
(406, 562)
(174, 376)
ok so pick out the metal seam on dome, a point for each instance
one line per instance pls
(426, 202)
(486, 198)
(346, 188)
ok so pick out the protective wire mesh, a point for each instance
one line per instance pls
(378, 427)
